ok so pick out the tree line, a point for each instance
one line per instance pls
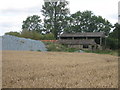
(57, 19)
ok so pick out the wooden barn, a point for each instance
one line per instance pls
(87, 40)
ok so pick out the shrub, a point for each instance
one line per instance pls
(26, 34)
(13, 34)
(39, 50)
(51, 46)
(54, 46)
(37, 36)
(32, 35)
(49, 36)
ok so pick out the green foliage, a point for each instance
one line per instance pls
(86, 21)
(30, 34)
(59, 47)
(112, 43)
(32, 23)
(13, 34)
(57, 19)
(54, 46)
(111, 52)
(71, 49)
(39, 50)
(54, 13)
(115, 32)
(36, 36)
(48, 36)
(113, 39)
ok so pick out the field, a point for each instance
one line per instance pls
(30, 69)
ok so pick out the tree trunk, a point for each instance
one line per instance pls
(55, 23)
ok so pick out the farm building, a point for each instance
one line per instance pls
(86, 40)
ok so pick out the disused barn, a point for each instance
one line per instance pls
(87, 40)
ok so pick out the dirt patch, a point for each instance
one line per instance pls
(29, 69)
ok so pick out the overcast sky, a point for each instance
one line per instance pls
(13, 12)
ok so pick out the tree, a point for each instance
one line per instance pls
(32, 23)
(115, 32)
(113, 39)
(54, 13)
(88, 22)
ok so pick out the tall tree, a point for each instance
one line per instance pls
(55, 13)
(88, 22)
(32, 23)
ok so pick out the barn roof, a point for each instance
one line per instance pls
(85, 34)
(77, 42)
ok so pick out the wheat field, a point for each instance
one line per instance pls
(30, 69)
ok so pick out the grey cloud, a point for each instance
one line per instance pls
(12, 11)
(8, 24)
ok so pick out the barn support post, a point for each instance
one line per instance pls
(59, 38)
(72, 38)
(105, 42)
(101, 42)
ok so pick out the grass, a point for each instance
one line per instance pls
(52, 46)
(111, 52)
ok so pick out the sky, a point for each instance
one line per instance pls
(13, 12)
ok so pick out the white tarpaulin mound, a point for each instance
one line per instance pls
(16, 43)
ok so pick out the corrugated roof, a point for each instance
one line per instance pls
(85, 34)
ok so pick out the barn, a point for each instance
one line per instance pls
(86, 40)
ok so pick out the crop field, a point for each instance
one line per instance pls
(30, 69)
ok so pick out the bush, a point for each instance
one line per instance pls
(27, 34)
(51, 46)
(49, 36)
(37, 36)
(32, 35)
(13, 34)
(54, 46)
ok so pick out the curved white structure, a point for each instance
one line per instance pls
(16, 43)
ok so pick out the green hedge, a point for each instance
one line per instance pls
(32, 35)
